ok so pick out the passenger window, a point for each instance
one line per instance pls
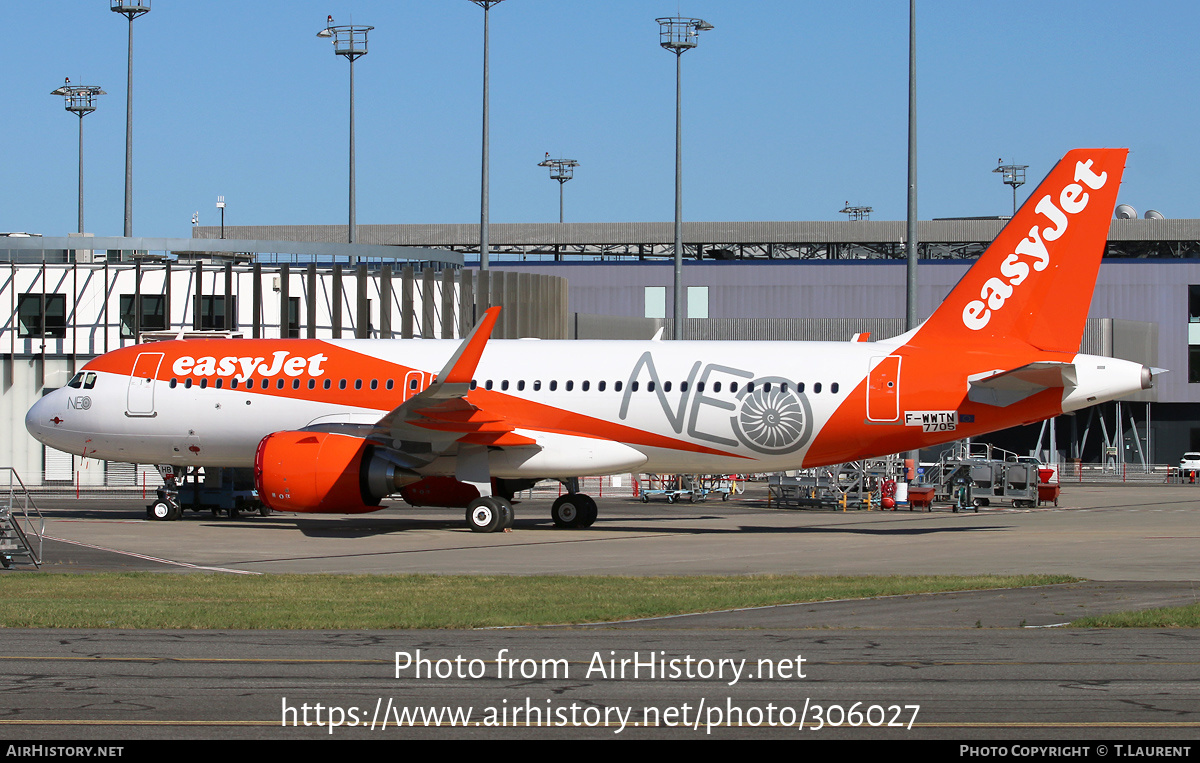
(267, 383)
(233, 383)
(650, 386)
(173, 383)
(374, 384)
(295, 384)
(487, 384)
(312, 383)
(412, 383)
(504, 385)
(683, 386)
(220, 383)
(341, 384)
(203, 383)
(570, 385)
(389, 384)
(553, 385)
(817, 388)
(328, 383)
(833, 388)
(617, 386)
(474, 384)
(732, 387)
(666, 386)
(537, 385)
(585, 386)
(187, 383)
(521, 385)
(716, 386)
(600, 386)
(633, 386)
(800, 387)
(279, 384)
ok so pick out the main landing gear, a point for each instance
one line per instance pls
(489, 514)
(495, 514)
(574, 510)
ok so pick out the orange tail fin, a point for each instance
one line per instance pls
(1034, 283)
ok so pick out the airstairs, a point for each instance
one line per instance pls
(21, 523)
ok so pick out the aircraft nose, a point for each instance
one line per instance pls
(41, 416)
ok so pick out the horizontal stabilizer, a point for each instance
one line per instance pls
(1003, 388)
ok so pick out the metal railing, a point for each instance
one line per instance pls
(1078, 473)
(19, 511)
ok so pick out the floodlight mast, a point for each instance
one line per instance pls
(561, 170)
(856, 213)
(678, 34)
(350, 42)
(484, 193)
(80, 100)
(1014, 175)
(130, 9)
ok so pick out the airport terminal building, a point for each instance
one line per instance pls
(774, 280)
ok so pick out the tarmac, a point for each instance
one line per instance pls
(976, 665)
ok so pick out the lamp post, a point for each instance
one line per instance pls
(561, 170)
(484, 201)
(350, 41)
(130, 9)
(910, 315)
(81, 101)
(678, 34)
(1014, 175)
(221, 206)
(856, 212)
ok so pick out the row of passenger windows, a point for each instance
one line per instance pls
(634, 386)
(504, 385)
(282, 384)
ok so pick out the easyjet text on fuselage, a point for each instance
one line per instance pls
(281, 361)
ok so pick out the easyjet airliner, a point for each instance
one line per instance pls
(337, 426)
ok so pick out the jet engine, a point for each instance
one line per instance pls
(324, 473)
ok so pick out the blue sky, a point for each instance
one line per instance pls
(790, 109)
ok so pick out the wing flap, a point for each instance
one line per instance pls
(497, 439)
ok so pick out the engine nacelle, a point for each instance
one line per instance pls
(447, 492)
(439, 491)
(324, 473)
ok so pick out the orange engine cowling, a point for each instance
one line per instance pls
(316, 472)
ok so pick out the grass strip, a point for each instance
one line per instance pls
(374, 602)
(1163, 617)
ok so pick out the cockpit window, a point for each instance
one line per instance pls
(83, 380)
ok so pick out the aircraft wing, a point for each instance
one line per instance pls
(1003, 388)
(441, 414)
(432, 421)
